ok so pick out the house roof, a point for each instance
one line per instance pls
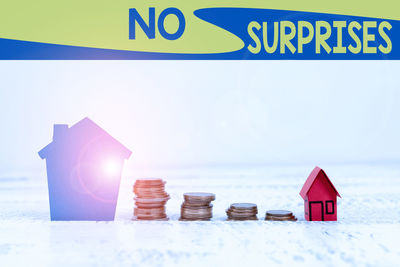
(310, 180)
(85, 124)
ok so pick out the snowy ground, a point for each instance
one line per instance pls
(366, 234)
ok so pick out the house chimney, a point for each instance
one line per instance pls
(59, 131)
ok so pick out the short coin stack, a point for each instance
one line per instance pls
(197, 207)
(279, 215)
(242, 212)
(150, 199)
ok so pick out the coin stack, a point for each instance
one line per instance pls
(242, 212)
(279, 215)
(197, 207)
(150, 199)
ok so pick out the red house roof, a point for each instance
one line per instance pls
(310, 180)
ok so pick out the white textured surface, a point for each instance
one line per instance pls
(367, 233)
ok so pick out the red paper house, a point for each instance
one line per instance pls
(319, 196)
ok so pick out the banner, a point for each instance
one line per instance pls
(218, 30)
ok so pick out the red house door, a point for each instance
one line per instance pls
(316, 211)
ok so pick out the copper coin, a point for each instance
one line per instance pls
(279, 213)
(149, 210)
(157, 209)
(150, 192)
(275, 218)
(191, 214)
(199, 213)
(145, 186)
(198, 196)
(239, 210)
(279, 217)
(197, 209)
(242, 214)
(149, 189)
(149, 180)
(141, 218)
(197, 203)
(151, 200)
(240, 206)
(149, 185)
(139, 192)
(152, 196)
(149, 205)
(194, 215)
(150, 217)
(242, 210)
(188, 206)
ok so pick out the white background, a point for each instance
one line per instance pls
(206, 113)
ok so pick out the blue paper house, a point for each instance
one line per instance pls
(84, 166)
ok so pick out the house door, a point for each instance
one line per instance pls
(316, 211)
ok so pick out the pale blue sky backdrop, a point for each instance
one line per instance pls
(195, 113)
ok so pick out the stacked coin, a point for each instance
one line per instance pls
(279, 215)
(150, 199)
(242, 212)
(197, 207)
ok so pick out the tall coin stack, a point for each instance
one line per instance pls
(150, 199)
(242, 212)
(279, 215)
(197, 207)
